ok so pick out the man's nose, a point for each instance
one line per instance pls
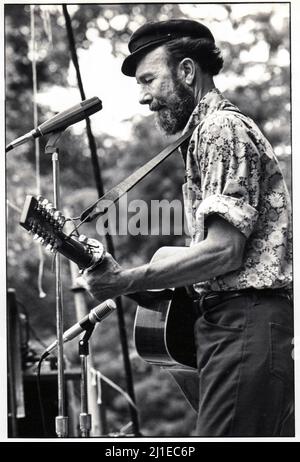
(145, 97)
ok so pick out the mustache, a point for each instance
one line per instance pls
(157, 105)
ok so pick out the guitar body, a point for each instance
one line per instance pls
(164, 330)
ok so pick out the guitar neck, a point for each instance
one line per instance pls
(48, 229)
(76, 251)
(42, 220)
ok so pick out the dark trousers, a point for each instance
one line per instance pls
(244, 385)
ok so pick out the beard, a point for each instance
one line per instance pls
(174, 112)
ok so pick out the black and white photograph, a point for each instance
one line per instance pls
(149, 210)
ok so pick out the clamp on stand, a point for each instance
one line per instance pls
(61, 421)
(85, 419)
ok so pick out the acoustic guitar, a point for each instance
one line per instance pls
(164, 322)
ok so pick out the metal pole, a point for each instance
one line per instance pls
(13, 360)
(61, 421)
(97, 411)
(85, 419)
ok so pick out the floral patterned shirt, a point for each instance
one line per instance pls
(232, 171)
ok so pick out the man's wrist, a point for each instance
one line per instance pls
(134, 279)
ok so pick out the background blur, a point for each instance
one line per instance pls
(254, 39)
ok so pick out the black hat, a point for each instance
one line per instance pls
(154, 34)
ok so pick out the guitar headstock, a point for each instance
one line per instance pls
(45, 223)
(40, 218)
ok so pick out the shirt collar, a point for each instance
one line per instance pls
(212, 101)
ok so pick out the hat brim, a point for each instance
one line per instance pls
(130, 63)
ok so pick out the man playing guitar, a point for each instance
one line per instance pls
(240, 258)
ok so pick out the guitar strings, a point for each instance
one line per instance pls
(79, 224)
(75, 230)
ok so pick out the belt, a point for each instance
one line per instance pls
(212, 299)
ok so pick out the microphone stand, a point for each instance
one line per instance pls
(85, 419)
(61, 421)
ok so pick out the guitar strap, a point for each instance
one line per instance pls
(91, 213)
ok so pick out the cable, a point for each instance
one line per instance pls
(100, 376)
(37, 338)
(30, 328)
(41, 404)
(13, 206)
(126, 427)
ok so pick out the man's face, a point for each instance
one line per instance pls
(171, 99)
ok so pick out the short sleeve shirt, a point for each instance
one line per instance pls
(232, 171)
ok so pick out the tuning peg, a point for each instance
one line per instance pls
(49, 247)
(52, 212)
(40, 199)
(41, 240)
(82, 238)
(36, 236)
(59, 218)
(42, 206)
(57, 215)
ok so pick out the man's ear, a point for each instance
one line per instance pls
(187, 70)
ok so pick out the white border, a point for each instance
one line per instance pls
(295, 33)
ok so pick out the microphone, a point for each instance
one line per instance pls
(60, 121)
(97, 314)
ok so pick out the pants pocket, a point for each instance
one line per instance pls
(228, 316)
(218, 341)
(281, 352)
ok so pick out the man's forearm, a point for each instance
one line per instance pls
(221, 252)
(187, 266)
